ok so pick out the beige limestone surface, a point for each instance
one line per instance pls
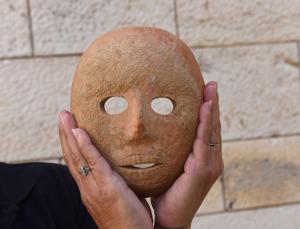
(259, 89)
(213, 202)
(286, 217)
(70, 26)
(32, 92)
(227, 22)
(262, 172)
(14, 28)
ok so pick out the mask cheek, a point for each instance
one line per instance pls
(113, 124)
(178, 143)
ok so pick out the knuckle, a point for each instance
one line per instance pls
(205, 141)
(200, 139)
(216, 135)
(85, 147)
(76, 159)
(91, 161)
(217, 131)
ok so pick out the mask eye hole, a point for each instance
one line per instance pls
(162, 105)
(114, 105)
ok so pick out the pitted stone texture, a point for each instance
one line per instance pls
(219, 22)
(258, 87)
(14, 29)
(32, 92)
(69, 26)
(262, 172)
(286, 217)
(213, 202)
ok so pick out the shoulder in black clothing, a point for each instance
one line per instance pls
(41, 196)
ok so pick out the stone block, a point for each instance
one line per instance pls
(258, 88)
(263, 172)
(213, 202)
(14, 29)
(286, 217)
(32, 92)
(69, 26)
(227, 22)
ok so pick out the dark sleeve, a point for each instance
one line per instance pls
(41, 196)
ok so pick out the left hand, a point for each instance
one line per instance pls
(177, 206)
(105, 194)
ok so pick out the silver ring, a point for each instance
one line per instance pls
(213, 144)
(84, 170)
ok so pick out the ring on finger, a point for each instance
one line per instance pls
(214, 144)
(84, 170)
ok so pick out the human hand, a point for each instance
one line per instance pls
(177, 206)
(108, 199)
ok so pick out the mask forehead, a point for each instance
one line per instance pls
(128, 60)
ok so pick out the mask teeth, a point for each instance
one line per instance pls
(143, 165)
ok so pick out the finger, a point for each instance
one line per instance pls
(73, 156)
(202, 140)
(216, 137)
(210, 93)
(99, 166)
(66, 153)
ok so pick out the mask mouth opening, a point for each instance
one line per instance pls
(141, 166)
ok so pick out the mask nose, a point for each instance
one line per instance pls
(136, 128)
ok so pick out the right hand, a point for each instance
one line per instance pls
(108, 199)
(202, 168)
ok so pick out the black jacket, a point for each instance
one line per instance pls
(40, 196)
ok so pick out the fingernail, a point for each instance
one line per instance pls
(75, 133)
(210, 105)
(213, 83)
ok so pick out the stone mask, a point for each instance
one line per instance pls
(141, 66)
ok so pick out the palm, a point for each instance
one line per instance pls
(133, 202)
(183, 198)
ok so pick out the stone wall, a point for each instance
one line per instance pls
(250, 47)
